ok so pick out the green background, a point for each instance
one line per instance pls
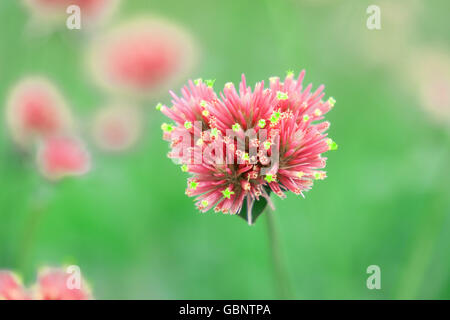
(134, 233)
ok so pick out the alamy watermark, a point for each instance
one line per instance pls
(73, 281)
(374, 280)
(374, 20)
(73, 21)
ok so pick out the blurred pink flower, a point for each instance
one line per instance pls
(36, 109)
(141, 57)
(61, 156)
(117, 127)
(11, 287)
(429, 74)
(54, 284)
(290, 116)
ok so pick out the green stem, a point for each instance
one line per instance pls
(37, 209)
(29, 238)
(280, 270)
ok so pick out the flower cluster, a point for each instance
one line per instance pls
(52, 284)
(38, 115)
(286, 120)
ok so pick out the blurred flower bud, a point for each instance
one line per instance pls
(429, 74)
(117, 127)
(36, 109)
(61, 156)
(141, 57)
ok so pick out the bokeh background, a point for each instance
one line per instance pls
(134, 233)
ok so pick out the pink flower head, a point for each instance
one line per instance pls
(60, 156)
(11, 287)
(280, 138)
(56, 284)
(117, 127)
(55, 10)
(141, 56)
(36, 109)
(429, 74)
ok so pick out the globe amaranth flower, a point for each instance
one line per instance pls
(241, 145)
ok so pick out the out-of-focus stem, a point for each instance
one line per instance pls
(280, 270)
(37, 209)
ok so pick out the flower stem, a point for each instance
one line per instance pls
(28, 240)
(280, 270)
(37, 210)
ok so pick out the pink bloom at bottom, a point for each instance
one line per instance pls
(52, 284)
(62, 156)
(11, 287)
(56, 284)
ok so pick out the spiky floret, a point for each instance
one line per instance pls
(290, 113)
